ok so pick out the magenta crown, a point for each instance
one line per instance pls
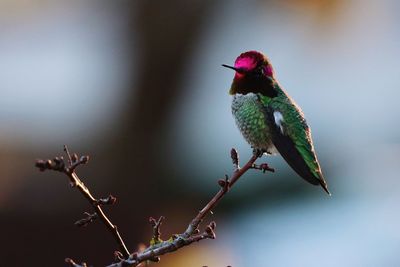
(250, 60)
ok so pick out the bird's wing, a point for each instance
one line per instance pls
(292, 138)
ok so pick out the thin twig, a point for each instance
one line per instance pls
(90, 217)
(58, 164)
(157, 246)
(72, 263)
(192, 233)
(156, 224)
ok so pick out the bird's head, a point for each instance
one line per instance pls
(253, 71)
(251, 63)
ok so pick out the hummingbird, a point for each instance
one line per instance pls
(269, 119)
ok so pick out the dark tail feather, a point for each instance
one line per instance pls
(287, 148)
(293, 158)
(324, 186)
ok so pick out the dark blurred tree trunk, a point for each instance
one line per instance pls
(167, 32)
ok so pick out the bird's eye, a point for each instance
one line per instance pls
(259, 71)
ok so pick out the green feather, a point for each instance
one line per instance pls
(295, 126)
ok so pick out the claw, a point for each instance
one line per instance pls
(258, 152)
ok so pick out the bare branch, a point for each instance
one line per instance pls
(110, 200)
(72, 263)
(192, 233)
(88, 219)
(157, 246)
(59, 164)
(156, 229)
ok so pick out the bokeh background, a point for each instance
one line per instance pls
(138, 86)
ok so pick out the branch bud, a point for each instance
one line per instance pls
(84, 159)
(74, 157)
(235, 157)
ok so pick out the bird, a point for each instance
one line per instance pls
(269, 119)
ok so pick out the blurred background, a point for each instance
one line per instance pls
(138, 86)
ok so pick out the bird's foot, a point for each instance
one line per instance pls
(264, 167)
(258, 152)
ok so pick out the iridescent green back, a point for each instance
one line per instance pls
(295, 127)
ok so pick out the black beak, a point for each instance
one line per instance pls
(233, 68)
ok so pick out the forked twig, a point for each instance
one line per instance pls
(73, 161)
(192, 233)
(157, 246)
